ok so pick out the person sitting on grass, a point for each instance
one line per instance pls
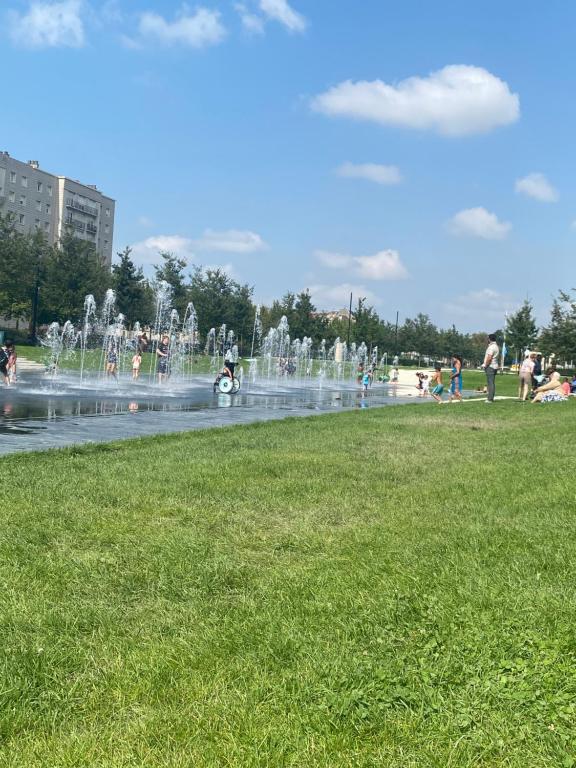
(551, 391)
(566, 386)
(573, 385)
(438, 388)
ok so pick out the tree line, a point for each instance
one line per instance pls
(60, 276)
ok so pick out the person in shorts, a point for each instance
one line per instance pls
(163, 355)
(456, 379)
(438, 387)
(111, 361)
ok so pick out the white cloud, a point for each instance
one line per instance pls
(146, 251)
(250, 21)
(48, 25)
(478, 222)
(384, 265)
(536, 185)
(230, 241)
(485, 305)
(280, 10)
(327, 297)
(381, 174)
(334, 260)
(454, 101)
(196, 30)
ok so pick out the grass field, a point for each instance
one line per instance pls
(386, 587)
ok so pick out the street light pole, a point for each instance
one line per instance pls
(349, 321)
(35, 300)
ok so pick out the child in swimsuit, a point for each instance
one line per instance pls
(438, 386)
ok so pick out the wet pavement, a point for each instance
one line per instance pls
(38, 413)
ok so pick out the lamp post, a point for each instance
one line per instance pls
(35, 301)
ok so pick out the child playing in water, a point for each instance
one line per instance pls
(111, 362)
(136, 362)
(438, 386)
(12, 364)
(425, 386)
(366, 380)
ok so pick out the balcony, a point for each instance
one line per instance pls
(76, 206)
(75, 223)
(92, 229)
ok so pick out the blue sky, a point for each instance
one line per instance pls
(419, 154)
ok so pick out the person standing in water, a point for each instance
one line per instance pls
(163, 355)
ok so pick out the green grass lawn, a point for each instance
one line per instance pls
(386, 587)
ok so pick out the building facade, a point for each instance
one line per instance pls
(39, 200)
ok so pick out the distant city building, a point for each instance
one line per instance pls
(334, 314)
(41, 201)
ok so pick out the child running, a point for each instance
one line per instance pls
(436, 379)
(136, 362)
(425, 386)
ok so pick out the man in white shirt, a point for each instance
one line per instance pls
(490, 365)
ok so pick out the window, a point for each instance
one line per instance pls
(46, 226)
(39, 186)
(21, 218)
(107, 211)
(39, 205)
(12, 196)
(107, 228)
(37, 223)
(49, 189)
(24, 181)
(22, 199)
(48, 209)
(12, 177)
(105, 243)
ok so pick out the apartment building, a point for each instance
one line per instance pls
(43, 201)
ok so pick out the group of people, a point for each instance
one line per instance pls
(434, 384)
(542, 387)
(162, 356)
(8, 358)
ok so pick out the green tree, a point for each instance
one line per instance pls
(171, 271)
(366, 324)
(559, 336)
(21, 266)
(420, 335)
(72, 269)
(219, 299)
(134, 296)
(521, 330)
